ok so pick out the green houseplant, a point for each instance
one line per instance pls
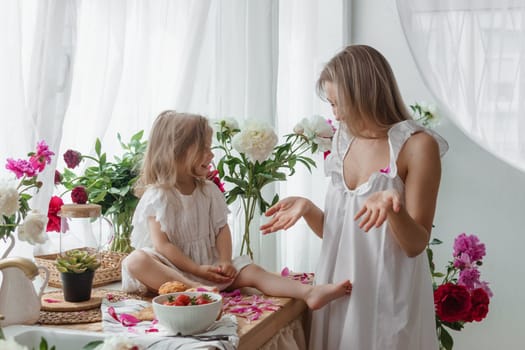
(109, 184)
(77, 269)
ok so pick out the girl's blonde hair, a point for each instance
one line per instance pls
(366, 89)
(175, 145)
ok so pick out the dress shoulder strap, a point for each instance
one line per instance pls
(399, 134)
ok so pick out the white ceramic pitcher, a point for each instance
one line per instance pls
(19, 301)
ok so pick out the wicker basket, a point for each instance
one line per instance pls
(108, 272)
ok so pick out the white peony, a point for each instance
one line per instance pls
(318, 130)
(33, 229)
(256, 140)
(8, 198)
(118, 343)
(11, 344)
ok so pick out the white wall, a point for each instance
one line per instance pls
(479, 194)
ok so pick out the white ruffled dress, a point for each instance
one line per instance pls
(391, 306)
(191, 222)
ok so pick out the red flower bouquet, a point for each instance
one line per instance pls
(461, 297)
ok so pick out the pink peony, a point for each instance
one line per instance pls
(21, 167)
(469, 278)
(469, 245)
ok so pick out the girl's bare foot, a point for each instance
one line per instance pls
(321, 295)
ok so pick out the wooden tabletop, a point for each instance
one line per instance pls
(252, 334)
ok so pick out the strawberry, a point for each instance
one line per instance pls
(203, 299)
(182, 300)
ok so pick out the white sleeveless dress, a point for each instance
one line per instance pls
(391, 306)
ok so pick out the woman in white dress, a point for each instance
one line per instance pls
(180, 230)
(385, 172)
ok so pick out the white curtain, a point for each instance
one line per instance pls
(37, 40)
(113, 66)
(471, 55)
(310, 33)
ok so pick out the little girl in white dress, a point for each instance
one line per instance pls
(180, 224)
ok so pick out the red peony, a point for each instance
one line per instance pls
(72, 158)
(79, 195)
(53, 223)
(452, 302)
(480, 305)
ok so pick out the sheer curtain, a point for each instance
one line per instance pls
(472, 56)
(310, 34)
(37, 41)
(109, 67)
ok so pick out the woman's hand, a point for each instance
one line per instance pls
(212, 273)
(377, 207)
(285, 214)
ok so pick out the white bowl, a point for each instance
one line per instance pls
(189, 319)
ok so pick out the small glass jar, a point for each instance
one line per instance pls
(83, 227)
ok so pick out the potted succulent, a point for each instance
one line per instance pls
(77, 269)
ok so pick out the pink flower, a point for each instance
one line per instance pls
(462, 261)
(21, 167)
(72, 158)
(469, 245)
(43, 154)
(469, 278)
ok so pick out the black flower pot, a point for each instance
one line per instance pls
(77, 286)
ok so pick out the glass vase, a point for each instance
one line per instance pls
(245, 231)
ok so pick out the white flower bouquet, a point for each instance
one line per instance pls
(252, 159)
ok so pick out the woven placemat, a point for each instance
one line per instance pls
(83, 316)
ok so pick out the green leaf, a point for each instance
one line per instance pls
(435, 241)
(446, 339)
(98, 147)
(92, 345)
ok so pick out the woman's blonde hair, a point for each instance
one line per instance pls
(366, 89)
(175, 145)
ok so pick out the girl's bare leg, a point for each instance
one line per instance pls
(271, 284)
(152, 273)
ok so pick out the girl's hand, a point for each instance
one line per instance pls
(285, 213)
(376, 208)
(212, 273)
(227, 269)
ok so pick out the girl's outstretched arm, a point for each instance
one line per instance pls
(287, 211)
